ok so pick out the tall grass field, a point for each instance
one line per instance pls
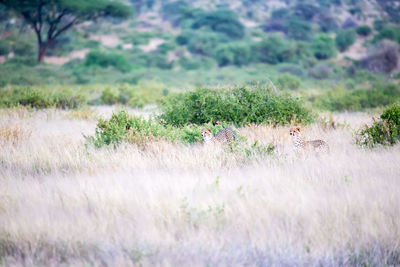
(65, 202)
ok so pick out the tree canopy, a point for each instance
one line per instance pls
(50, 18)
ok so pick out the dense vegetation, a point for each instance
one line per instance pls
(239, 106)
(385, 131)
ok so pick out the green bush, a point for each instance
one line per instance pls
(223, 21)
(344, 39)
(385, 131)
(288, 81)
(104, 60)
(204, 43)
(194, 63)
(388, 32)
(364, 30)
(40, 98)
(122, 127)
(109, 96)
(4, 47)
(323, 47)
(320, 71)
(339, 99)
(298, 29)
(233, 54)
(239, 105)
(274, 50)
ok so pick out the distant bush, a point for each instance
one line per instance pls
(204, 43)
(389, 33)
(103, 59)
(239, 106)
(288, 81)
(327, 23)
(4, 47)
(122, 127)
(291, 68)
(194, 63)
(385, 131)
(132, 95)
(184, 37)
(383, 57)
(274, 50)
(323, 47)
(233, 54)
(320, 71)
(344, 39)
(223, 21)
(360, 99)
(24, 48)
(349, 23)
(298, 29)
(40, 98)
(364, 30)
(306, 11)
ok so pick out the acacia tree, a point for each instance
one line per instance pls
(50, 18)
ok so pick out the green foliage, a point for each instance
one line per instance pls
(122, 127)
(134, 96)
(4, 47)
(298, 29)
(388, 32)
(385, 131)
(320, 71)
(40, 98)
(223, 21)
(364, 30)
(339, 99)
(344, 39)
(203, 43)
(239, 105)
(323, 47)
(104, 60)
(274, 50)
(195, 63)
(233, 54)
(288, 81)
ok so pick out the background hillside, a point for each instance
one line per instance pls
(184, 44)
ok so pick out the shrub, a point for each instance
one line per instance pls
(320, 71)
(102, 59)
(4, 47)
(274, 50)
(203, 43)
(298, 29)
(291, 68)
(40, 98)
(385, 131)
(239, 105)
(344, 39)
(288, 81)
(185, 37)
(364, 30)
(356, 100)
(383, 57)
(389, 33)
(327, 23)
(323, 47)
(122, 127)
(195, 63)
(233, 54)
(223, 21)
(109, 96)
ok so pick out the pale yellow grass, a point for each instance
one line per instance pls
(171, 204)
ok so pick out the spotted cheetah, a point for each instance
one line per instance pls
(301, 145)
(223, 137)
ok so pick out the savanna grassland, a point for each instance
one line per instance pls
(64, 202)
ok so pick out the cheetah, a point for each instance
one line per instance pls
(301, 145)
(222, 137)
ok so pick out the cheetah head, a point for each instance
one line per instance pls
(206, 134)
(294, 131)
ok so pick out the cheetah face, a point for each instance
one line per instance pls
(294, 131)
(206, 134)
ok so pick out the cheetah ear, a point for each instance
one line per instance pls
(209, 129)
(298, 128)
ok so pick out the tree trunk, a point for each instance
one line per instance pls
(43, 49)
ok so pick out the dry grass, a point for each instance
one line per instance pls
(170, 204)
